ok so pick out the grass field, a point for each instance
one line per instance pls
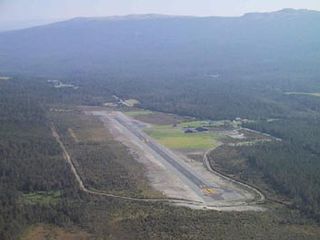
(138, 113)
(168, 130)
(44, 198)
(175, 138)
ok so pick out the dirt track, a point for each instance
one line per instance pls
(82, 187)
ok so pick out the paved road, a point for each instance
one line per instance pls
(163, 154)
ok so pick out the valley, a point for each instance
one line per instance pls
(161, 127)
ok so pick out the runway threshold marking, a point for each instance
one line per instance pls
(208, 190)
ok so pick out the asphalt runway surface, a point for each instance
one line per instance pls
(208, 191)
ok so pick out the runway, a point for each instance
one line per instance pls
(202, 186)
(170, 172)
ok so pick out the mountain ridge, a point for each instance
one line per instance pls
(173, 44)
(286, 12)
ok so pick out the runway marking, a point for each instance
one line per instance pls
(208, 190)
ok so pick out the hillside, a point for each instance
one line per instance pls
(170, 45)
(251, 84)
(189, 65)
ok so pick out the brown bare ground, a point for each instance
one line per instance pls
(89, 129)
(43, 232)
(92, 131)
(73, 135)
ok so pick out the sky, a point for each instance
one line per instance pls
(29, 10)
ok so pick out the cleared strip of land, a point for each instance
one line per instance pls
(173, 175)
(82, 187)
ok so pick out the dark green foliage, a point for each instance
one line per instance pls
(30, 161)
(291, 170)
(206, 67)
(291, 167)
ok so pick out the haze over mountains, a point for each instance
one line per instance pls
(18, 25)
(256, 41)
(88, 107)
(190, 61)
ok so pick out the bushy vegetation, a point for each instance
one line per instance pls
(291, 167)
(30, 163)
(210, 68)
(37, 186)
(103, 163)
(218, 68)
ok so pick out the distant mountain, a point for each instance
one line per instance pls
(287, 12)
(168, 45)
(18, 25)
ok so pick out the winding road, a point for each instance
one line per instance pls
(209, 192)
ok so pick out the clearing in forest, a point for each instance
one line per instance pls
(174, 137)
(42, 231)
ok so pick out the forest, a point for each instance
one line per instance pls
(290, 167)
(209, 67)
(30, 163)
(38, 187)
(263, 68)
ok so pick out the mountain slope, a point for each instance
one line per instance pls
(174, 44)
(216, 67)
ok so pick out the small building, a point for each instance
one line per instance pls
(201, 129)
(188, 130)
